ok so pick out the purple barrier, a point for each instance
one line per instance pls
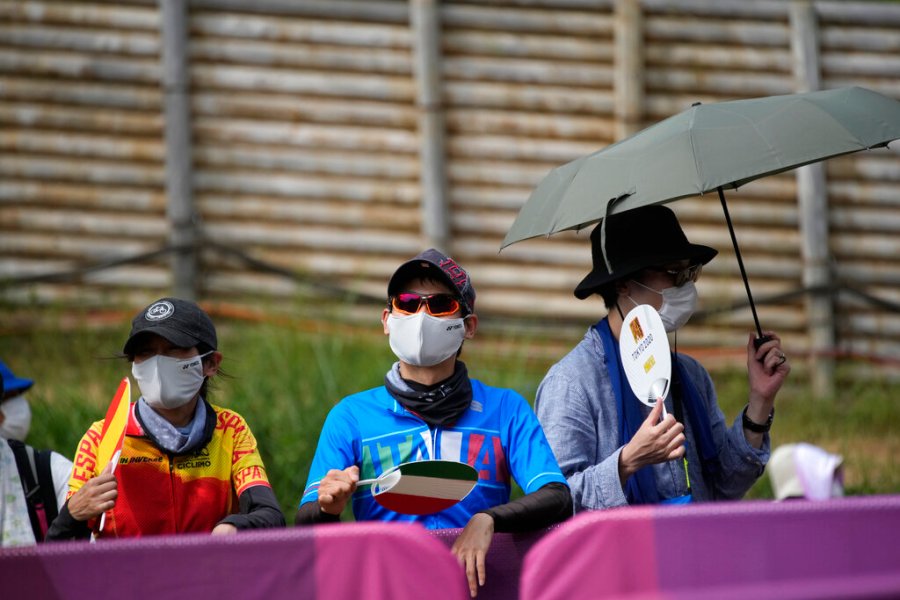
(503, 561)
(844, 548)
(352, 560)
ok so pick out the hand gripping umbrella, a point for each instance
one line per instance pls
(704, 148)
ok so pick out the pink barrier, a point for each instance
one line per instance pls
(503, 561)
(837, 549)
(353, 560)
(798, 549)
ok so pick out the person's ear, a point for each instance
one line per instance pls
(211, 364)
(471, 323)
(385, 313)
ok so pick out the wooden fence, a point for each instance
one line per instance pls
(319, 143)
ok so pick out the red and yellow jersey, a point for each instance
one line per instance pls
(163, 493)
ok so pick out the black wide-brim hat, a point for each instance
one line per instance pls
(649, 236)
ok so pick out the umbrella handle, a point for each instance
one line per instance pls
(760, 338)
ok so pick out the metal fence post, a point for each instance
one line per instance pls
(628, 78)
(812, 195)
(179, 159)
(426, 28)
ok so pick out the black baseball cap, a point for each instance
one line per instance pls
(435, 265)
(181, 322)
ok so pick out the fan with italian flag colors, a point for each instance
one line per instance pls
(423, 487)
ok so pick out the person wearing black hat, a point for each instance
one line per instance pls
(186, 465)
(613, 449)
(429, 408)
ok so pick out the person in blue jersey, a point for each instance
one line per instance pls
(614, 450)
(429, 408)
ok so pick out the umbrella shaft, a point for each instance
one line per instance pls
(737, 252)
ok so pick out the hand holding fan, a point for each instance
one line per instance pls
(645, 353)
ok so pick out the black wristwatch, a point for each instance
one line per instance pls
(757, 427)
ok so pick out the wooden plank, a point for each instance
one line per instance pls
(87, 93)
(81, 14)
(83, 119)
(289, 30)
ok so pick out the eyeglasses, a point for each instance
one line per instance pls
(437, 305)
(682, 276)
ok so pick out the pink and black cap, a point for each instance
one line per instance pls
(180, 321)
(432, 264)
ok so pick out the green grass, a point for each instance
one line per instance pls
(283, 378)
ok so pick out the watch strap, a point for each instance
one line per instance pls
(754, 426)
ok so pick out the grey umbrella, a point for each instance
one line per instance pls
(704, 148)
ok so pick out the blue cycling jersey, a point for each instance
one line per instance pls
(499, 435)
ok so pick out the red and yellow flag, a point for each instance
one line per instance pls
(113, 433)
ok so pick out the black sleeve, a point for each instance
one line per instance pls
(259, 509)
(67, 527)
(550, 504)
(310, 514)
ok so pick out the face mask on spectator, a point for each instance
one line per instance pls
(167, 382)
(16, 418)
(678, 304)
(422, 340)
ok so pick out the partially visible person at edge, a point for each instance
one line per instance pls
(429, 408)
(30, 480)
(613, 449)
(186, 465)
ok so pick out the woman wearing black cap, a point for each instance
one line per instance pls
(186, 465)
(615, 451)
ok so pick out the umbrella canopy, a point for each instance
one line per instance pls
(704, 148)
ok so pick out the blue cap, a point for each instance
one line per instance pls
(11, 383)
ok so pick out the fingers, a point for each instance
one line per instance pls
(769, 359)
(655, 414)
(224, 529)
(336, 488)
(471, 547)
(474, 564)
(95, 497)
(480, 567)
(772, 345)
(655, 442)
(675, 448)
(352, 473)
(472, 574)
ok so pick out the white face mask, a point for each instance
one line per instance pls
(168, 382)
(16, 418)
(424, 341)
(678, 304)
